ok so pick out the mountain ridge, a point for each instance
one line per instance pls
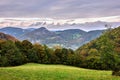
(70, 38)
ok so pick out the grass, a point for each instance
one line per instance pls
(33, 71)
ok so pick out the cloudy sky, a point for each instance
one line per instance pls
(61, 9)
(26, 12)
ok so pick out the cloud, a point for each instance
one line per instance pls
(59, 8)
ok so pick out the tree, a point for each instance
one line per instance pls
(116, 69)
(10, 54)
(71, 59)
(49, 54)
(57, 56)
(107, 51)
(40, 51)
(26, 49)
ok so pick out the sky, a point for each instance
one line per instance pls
(70, 11)
(60, 9)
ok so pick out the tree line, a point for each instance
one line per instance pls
(17, 53)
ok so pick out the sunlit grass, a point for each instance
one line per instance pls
(53, 72)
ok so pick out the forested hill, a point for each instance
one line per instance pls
(103, 52)
(109, 39)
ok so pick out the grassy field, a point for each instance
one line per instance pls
(52, 72)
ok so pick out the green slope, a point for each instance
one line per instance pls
(52, 72)
(103, 52)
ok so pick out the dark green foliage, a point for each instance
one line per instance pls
(16, 53)
(102, 53)
(116, 73)
(10, 54)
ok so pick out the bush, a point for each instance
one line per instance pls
(116, 73)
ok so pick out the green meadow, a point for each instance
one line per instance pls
(33, 71)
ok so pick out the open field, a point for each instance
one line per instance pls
(53, 72)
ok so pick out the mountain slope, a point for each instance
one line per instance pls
(51, 38)
(91, 35)
(109, 35)
(70, 38)
(103, 52)
(7, 37)
(16, 32)
(41, 35)
(71, 34)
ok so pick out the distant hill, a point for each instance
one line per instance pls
(16, 32)
(42, 35)
(70, 38)
(7, 37)
(91, 35)
(71, 34)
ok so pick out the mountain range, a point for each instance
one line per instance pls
(70, 38)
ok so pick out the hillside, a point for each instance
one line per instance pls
(103, 52)
(71, 34)
(7, 37)
(16, 32)
(71, 38)
(110, 36)
(41, 35)
(52, 72)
